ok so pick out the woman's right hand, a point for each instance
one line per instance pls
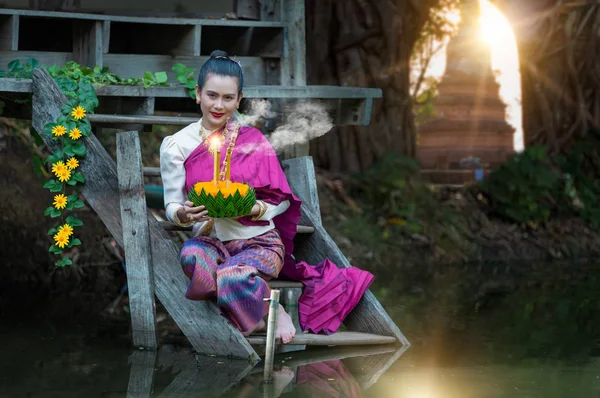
(189, 213)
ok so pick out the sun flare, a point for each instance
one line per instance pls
(495, 28)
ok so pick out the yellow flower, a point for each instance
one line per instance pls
(78, 113)
(58, 168)
(61, 239)
(58, 131)
(72, 163)
(66, 229)
(75, 134)
(64, 175)
(60, 201)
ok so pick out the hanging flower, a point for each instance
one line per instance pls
(58, 131)
(75, 134)
(60, 201)
(64, 175)
(61, 239)
(72, 163)
(58, 168)
(66, 229)
(78, 113)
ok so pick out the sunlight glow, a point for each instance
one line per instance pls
(496, 30)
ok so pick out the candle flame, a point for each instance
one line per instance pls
(215, 143)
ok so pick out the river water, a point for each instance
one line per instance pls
(50, 358)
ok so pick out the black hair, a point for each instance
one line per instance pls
(221, 64)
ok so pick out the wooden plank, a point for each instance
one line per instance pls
(247, 9)
(368, 370)
(9, 32)
(165, 21)
(340, 338)
(141, 374)
(87, 43)
(136, 239)
(368, 316)
(197, 40)
(200, 321)
(105, 36)
(169, 226)
(270, 10)
(300, 173)
(251, 91)
(143, 119)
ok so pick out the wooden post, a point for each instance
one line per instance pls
(271, 326)
(136, 238)
(141, 375)
(87, 43)
(293, 66)
(368, 316)
(200, 321)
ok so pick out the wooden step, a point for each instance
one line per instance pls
(281, 284)
(169, 226)
(142, 119)
(337, 339)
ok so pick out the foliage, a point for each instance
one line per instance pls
(525, 188)
(185, 76)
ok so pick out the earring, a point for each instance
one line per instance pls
(198, 101)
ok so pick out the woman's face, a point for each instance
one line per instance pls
(218, 99)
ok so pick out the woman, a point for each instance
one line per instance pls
(231, 260)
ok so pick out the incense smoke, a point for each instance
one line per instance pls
(304, 121)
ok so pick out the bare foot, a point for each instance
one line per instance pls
(259, 326)
(285, 327)
(281, 378)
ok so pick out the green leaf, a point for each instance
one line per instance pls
(69, 206)
(73, 221)
(75, 242)
(52, 231)
(63, 262)
(78, 177)
(72, 182)
(80, 150)
(191, 84)
(66, 109)
(73, 197)
(161, 77)
(14, 65)
(178, 68)
(55, 213)
(48, 211)
(78, 204)
(34, 63)
(55, 249)
(68, 149)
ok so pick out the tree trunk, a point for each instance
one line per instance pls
(559, 46)
(365, 43)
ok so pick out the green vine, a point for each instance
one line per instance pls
(185, 76)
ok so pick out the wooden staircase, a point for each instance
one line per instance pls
(115, 191)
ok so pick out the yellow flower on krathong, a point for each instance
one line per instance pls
(72, 163)
(75, 134)
(58, 168)
(66, 229)
(60, 201)
(78, 113)
(64, 175)
(59, 130)
(61, 239)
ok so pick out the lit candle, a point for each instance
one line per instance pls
(228, 169)
(215, 144)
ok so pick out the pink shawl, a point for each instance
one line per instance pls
(330, 293)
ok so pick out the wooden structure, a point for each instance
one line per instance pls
(115, 191)
(472, 117)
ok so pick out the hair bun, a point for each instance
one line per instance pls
(218, 53)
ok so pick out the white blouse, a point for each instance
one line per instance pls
(174, 150)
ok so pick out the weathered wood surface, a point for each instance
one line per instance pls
(164, 21)
(169, 226)
(9, 32)
(300, 173)
(143, 119)
(339, 338)
(368, 316)
(141, 374)
(250, 91)
(87, 43)
(270, 338)
(136, 240)
(200, 321)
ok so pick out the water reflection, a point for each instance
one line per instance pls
(329, 372)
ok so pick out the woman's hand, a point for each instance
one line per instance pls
(189, 213)
(255, 210)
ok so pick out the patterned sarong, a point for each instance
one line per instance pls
(234, 273)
